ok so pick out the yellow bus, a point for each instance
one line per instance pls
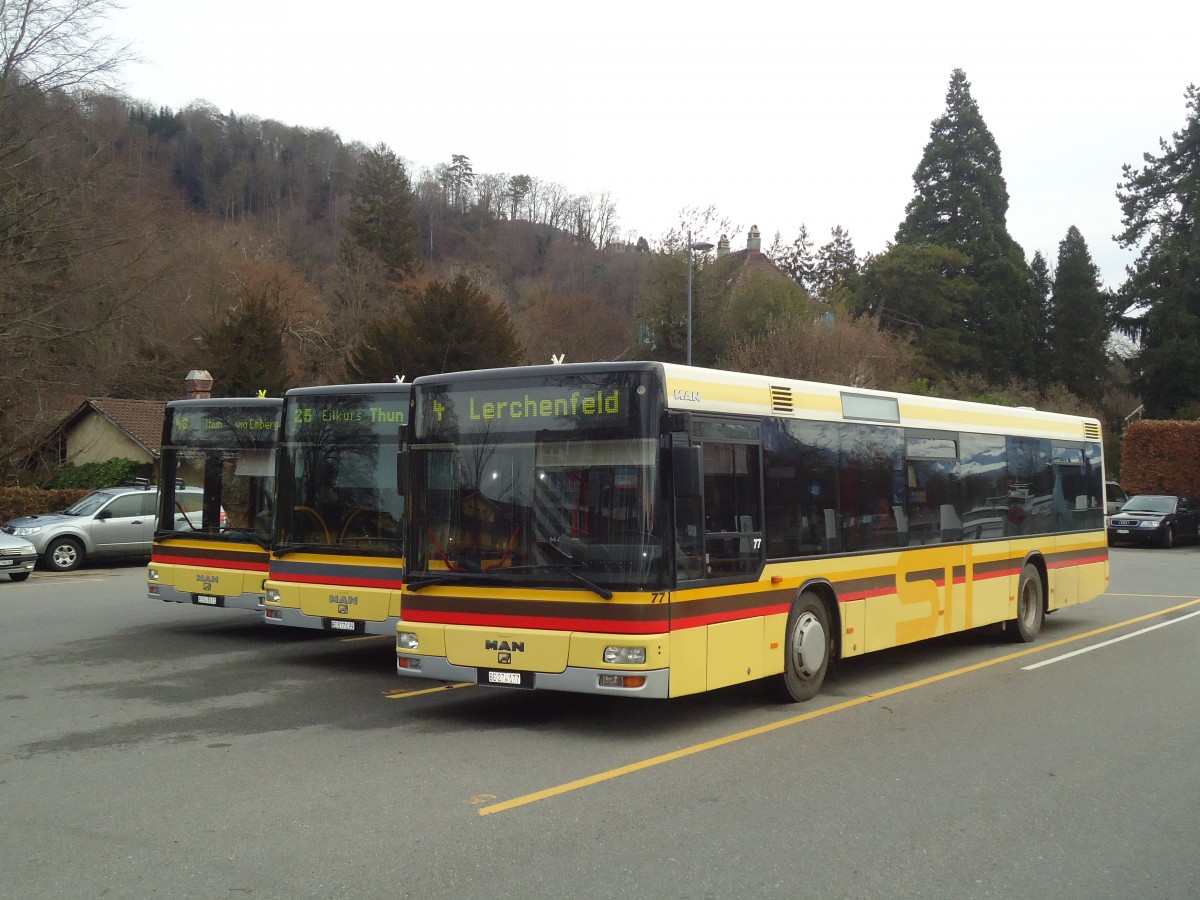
(337, 557)
(655, 530)
(216, 487)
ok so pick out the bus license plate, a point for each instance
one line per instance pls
(207, 599)
(341, 625)
(508, 679)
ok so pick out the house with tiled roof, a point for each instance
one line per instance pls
(104, 428)
(737, 266)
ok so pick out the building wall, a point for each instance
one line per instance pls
(96, 440)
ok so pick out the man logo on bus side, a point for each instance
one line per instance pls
(688, 396)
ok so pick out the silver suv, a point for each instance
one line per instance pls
(110, 522)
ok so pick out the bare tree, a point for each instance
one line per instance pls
(52, 54)
(58, 45)
(698, 224)
(833, 347)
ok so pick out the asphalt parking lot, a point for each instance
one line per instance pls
(151, 749)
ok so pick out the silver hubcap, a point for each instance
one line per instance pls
(808, 645)
(64, 556)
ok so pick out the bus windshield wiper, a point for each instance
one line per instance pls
(304, 548)
(253, 536)
(571, 569)
(455, 577)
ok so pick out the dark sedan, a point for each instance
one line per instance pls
(1159, 519)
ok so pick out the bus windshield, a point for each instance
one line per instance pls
(340, 485)
(566, 492)
(218, 468)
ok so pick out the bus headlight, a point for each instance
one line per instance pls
(272, 595)
(625, 656)
(152, 574)
(406, 640)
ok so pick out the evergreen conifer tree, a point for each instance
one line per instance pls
(446, 327)
(961, 202)
(1160, 204)
(1039, 313)
(798, 261)
(245, 353)
(383, 218)
(836, 263)
(1078, 323)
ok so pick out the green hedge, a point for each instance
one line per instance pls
(111, 473)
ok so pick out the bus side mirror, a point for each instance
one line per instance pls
(686, 466)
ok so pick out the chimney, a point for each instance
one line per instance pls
(198, 385)
(722, 247)
(754, 240)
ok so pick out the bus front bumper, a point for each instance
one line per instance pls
(294, 618)
(169, 594)
(655, 682)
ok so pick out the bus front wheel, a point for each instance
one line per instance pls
(1031, 607)
(806, 649)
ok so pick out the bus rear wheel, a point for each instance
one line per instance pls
(1031, 607)
(806, 649)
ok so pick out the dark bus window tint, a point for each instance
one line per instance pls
(984, 476)
(871, 486)
(801, 487)
(1030, 487)
(1078, 494)
(931, 502)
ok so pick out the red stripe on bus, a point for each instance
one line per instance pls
(211, 562)
(997, 573)
(1079, 561)
(339, 582)
(848, 596)
(606, 626)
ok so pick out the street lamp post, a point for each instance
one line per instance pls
(702, 246)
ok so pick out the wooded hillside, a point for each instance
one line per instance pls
(138, 243)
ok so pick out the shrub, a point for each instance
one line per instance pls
(112, 473)
(1160, 456)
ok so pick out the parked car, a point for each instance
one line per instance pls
(110, 522)
(1114, 497)
(17, 557)
(1155, 518)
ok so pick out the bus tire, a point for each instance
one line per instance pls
(807, 647)
(1031, 607)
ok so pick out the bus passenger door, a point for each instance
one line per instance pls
(733, 518)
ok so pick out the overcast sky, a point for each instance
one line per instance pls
(776, 113)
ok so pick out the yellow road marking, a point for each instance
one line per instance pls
(400, 695)
(364, 637)
(683, 752)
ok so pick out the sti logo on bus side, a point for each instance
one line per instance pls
(511, 646)
(343, 599)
